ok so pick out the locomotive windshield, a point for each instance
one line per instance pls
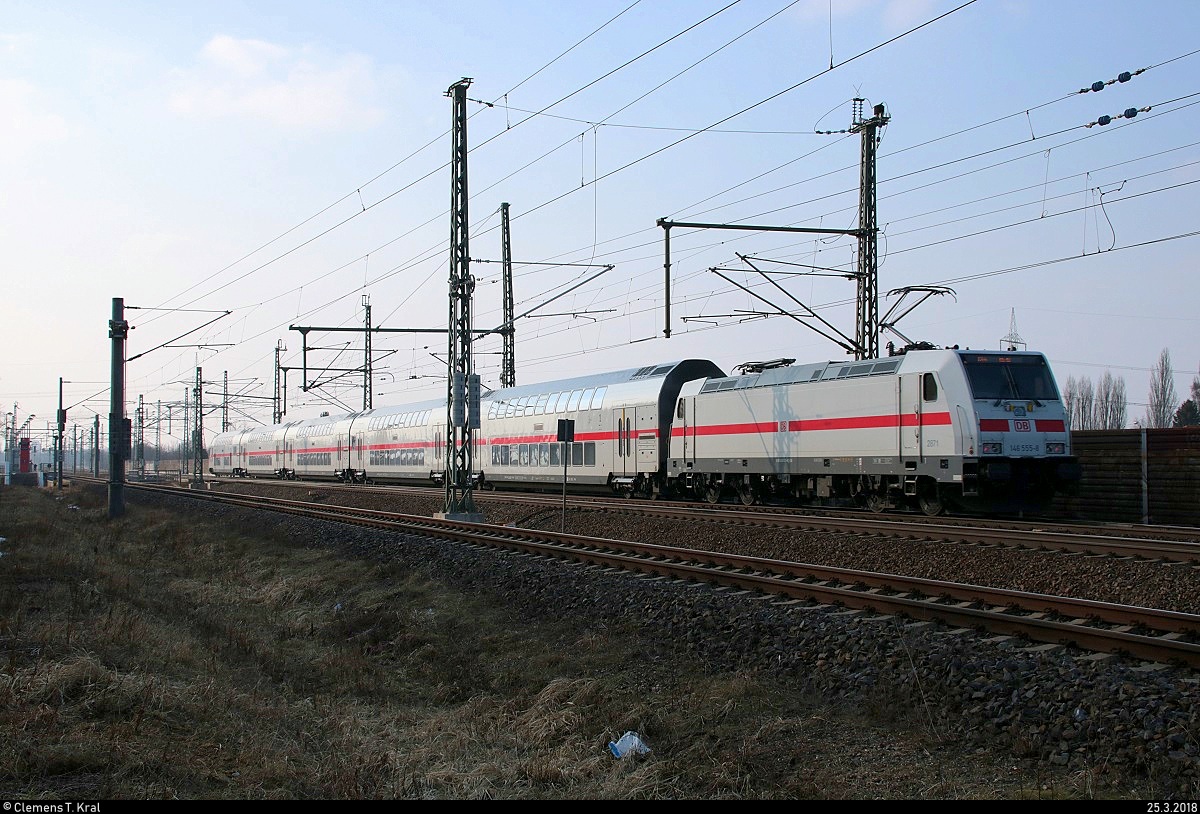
(999, 376)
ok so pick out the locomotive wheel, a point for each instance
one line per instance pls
(746, 495)
(930, 504)
(712, 493)
(876, 503)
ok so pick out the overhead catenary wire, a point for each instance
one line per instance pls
(609, 73)
(959, 131)
(358, 189)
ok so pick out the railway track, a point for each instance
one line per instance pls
(1173, 544)
(1144, 633)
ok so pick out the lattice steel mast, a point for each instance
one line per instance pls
(508, 370)
(867, 309)
(198, 430)
(462, 385)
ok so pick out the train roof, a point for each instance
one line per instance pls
(811, 372)
(701, 368)
(827, 371)
(427, 404)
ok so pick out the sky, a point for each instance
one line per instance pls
(283, 160)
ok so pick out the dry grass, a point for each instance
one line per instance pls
(156, 657)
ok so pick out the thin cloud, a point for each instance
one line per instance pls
(24, 124)
(263, 81)
(893, 13)
(902, 14)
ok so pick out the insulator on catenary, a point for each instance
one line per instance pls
(1124, 76)
(1129, 113)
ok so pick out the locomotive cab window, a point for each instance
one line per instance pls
(1000, 376)
(929, 388)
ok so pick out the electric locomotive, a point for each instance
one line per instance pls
(979, 431)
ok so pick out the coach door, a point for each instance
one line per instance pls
(624, 462)
(684, 426)
(645, 441)
(910, 415)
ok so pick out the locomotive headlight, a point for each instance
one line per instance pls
(993, 448)
(1056, 448)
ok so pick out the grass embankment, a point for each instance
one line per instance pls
(159, 656)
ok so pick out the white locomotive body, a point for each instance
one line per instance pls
(978, 430)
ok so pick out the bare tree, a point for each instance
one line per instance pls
(1085, 409)
(1096, 407)
(1111, 403)
(1161, 409)
(1069, 397)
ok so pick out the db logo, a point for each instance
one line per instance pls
(1021, 426)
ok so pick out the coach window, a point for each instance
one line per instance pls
(524, 454)
(541, 405)
(929, 390)
(544, 451)
(589, 453)
(598, 399)
(555, 457)
(585, 403)
(577, 454)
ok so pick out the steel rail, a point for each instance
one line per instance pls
(1147, 633)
